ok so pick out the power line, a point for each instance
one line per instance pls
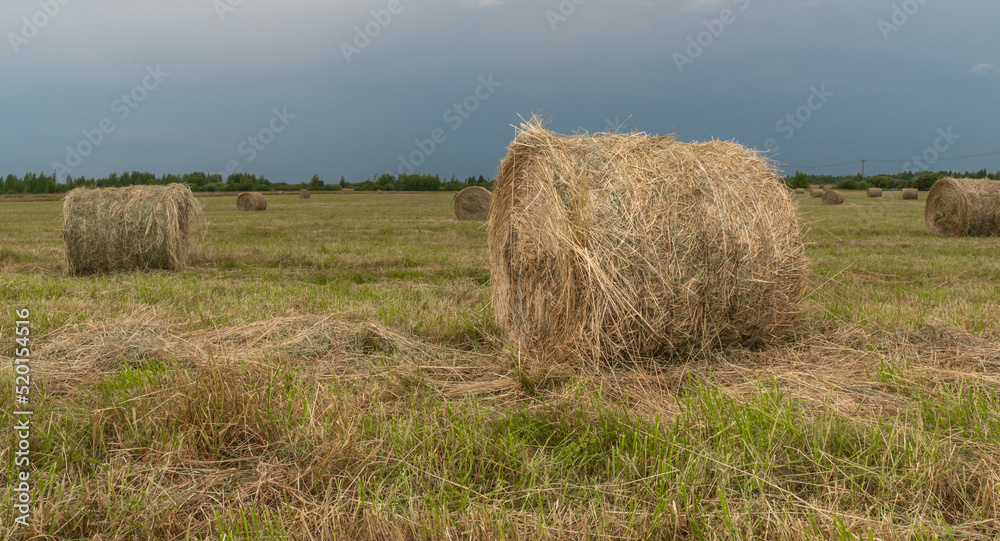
(859, 160)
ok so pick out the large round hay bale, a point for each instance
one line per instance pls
(816, 193)
(799, 191)
(251, 201)
(963, 207)
(626, 246)
(304, 194)
(874, 192)
(473, 203)
(832, 197)
(138, 227)
(910, 193)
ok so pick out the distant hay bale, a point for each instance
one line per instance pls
(799, 191)
(626, 246)
(473, 203)
(874, 192)
(828, 187)
(304, 194)
(910, 193)
(963, 208)
(251, 201)
(832, 197)
(816, 193)
(138, 227)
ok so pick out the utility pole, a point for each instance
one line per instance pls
(863, 169)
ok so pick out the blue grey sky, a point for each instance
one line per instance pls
(300, 87)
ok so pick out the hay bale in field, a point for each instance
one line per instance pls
(138, 227)
(304, 194)
(473, 203)
(626, 246)
(874, 192)
(832, 197)
(828, 186)
(251, 201)
(963, 207)
(816, 193)
(910, 193)
(799, 191)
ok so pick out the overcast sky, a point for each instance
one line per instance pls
(356, 88)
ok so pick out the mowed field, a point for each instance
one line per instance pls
(329, 369)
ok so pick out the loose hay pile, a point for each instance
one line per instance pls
(630, 246)
(251, 201)
(473, 203)
(304, 194)
(799, 191)
(963, 207)
(874, 192)
(138, 227)
(832, 197)
(816, 193)
(910, 193)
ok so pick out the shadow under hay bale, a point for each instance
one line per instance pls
(832, 197)
(251, 201)
(138, 227)
(304, 194)
(816, 193)
(963, 207)
(626, 246)
(874, 192)
(473, 203)
(799, 191)
(911, 193)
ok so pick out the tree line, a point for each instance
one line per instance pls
(907, 179)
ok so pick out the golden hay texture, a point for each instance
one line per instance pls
(816, 193)
(626, 246)
(251, 201)
(800, 191)
(832, 197)
(963, 207)
(304, 194)
(473, 203)
(874, 192)
(910, 193)
(138, 227)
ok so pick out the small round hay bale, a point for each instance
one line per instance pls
(833, 197)
(816, 193)
(626, 247)
(473, 203)
(874, 192)
(304, 194)
(910, 193)
(799, 191)
(251, 201)
(138, 227)
(963, 207)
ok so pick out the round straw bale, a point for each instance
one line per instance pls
(473, 203)
(799, 191)
(138, 227)
(963, 207)
(874, 192)
(833, 197)
(816, 193)
(304, 194)
(251, 201)
(910, 193)
(626, 246)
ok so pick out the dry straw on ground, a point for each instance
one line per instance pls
(473, 203)
(626, 246)
(138, 227)
(816, 193)
(799, 191)
(251, 201)
(963, 207)
(304, 194)
(831, 197)
(874, 192)
(910, 193)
